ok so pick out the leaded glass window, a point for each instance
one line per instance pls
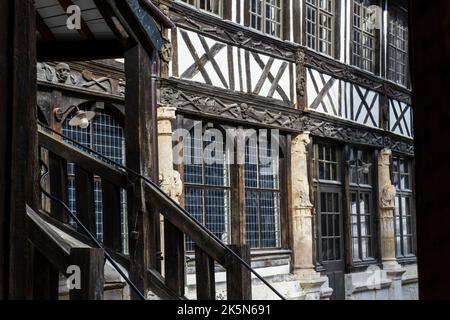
(265, 16)
(403, 213)
(262, 195)
(361, 205)
(365, 20)
(105, 135)
(319, 18)
(398, 45)
(207, 184)
(213, 6)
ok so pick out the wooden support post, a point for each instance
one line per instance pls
(174, 258)
(91, 262)
(84, 186)
(18, 141)
(239, 282)
(58, 185)
(205, 275)
(140, 125)
(112, 230)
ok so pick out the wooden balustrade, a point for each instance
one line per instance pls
(178, 226)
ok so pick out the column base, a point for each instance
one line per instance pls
(311, 283)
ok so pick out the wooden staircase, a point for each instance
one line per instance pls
(62, 245)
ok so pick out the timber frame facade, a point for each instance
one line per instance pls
(336, 220)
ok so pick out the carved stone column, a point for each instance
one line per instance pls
(387, 194)
(302, 224)
(169, 179)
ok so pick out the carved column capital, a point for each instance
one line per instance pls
(385, 158)
(166, 113)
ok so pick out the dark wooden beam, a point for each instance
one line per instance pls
(431, 77)
(18, 141)
(140, 151)
(43, 29)
(84, 31)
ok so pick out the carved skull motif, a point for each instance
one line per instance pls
(62, 72)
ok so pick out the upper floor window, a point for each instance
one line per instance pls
(213, 6)
(402, 180)
(266, 15)
(364, 39)
(398, 45)
(319, 20)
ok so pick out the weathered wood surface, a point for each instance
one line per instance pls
(91, 262)
(239, 283)
(205, 276)
(83, 160)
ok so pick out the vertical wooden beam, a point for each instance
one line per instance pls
(84, 186)
(174, 258)
(239, 282)
(205, 276)
(18, 141)
(430, 79)
(58, 185)
(91, 262)
(5, 64)
(112, 229)
(140, 123)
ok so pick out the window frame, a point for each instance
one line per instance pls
(402, 257)
(189, 125)
(335, 29)
(376, 37)
(372, 189)
(196, 4)
(276, 190)
(396, 8)
(284, 22)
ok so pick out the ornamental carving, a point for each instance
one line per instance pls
(171, 184)
(388, 196)
(218, 107)
(64, 74)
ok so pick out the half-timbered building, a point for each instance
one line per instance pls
(314, 197)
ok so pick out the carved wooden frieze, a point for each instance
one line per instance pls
(223, 108)
(206, 60)
(355, 135)
(229, 110)
(65, 75)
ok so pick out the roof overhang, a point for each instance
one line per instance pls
(107, 28)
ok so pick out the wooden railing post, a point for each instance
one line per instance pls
(112, 230)
(91, 262)
(239, 283)
(205, 275)
(174, 258)
(58, 185)
(84, 188)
